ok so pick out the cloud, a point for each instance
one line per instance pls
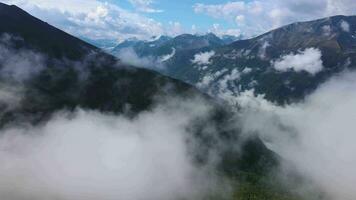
(256, 17)
(222, 84)
(167, 57)
(308, 60)
(144, 6)
(18, 64)
(345, 26)
(219, 31)
(221, 10)
(203, 58)
(175, 28)
(315, 137)
(130, 57)
(90, 155)
(262, 50)
(10, 97)
(93, 19)
(326, 30)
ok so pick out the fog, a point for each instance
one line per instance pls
(90, 155)
(316, 137)
(18, 64)
(130, 57)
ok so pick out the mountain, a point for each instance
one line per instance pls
(284, 64)
(165, 45)
(105, 44)
(228, 39)
(103, 69)
(76, 74)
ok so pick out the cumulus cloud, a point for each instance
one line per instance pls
(144, 6)
(89, 155)
(256, 17)
(93, 19)
(315, 136)
(203, 58)
(308, 60)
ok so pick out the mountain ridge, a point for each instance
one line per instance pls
(334, 38)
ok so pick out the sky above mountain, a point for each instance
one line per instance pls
(122, 19)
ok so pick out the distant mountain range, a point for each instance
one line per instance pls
(164, 45)
(285, 64)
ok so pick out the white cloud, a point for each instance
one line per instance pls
(240, 19)
(168, 56)
(308, 60)
(260, 16)
(203, 58)
(345, 26)
(174, 28)
(316, 137)
(92, 18)
(221, 10)
(144, 6)
(247, 70)
(88, 155)
(226, 84)
(205, 82)
(130, 57)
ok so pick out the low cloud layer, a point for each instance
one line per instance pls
(203, 58)
(316, 136)
(130, 57)
(89, 155)
(308, 60)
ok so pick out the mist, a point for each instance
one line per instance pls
(18, 64)
(88, 155)
(130, 57)
(315, 137)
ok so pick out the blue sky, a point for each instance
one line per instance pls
(180, 11)
(118, 20)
